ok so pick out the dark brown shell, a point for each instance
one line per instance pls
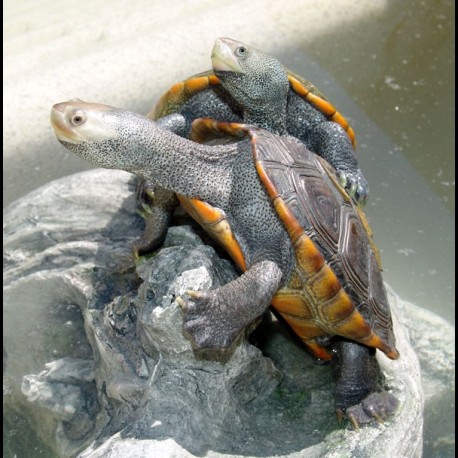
(336, 287)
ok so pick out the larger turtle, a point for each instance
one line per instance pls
(278, 209)
(250, 85)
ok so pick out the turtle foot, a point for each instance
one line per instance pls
(214, 318)
(206, 320)
(156, 206)
(356, 186)
(375, 407)
(152, 238)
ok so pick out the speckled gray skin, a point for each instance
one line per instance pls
(259, 83)
(225, 177)
(255, 90)
(157, 204)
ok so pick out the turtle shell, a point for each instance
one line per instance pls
(180, 93)
(336, 286)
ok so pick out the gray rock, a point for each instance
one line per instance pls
(75, 300)
(67, 392)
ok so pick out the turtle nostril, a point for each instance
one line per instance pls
(58, 107)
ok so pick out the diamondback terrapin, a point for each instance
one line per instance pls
(250, 85)
(278, 209)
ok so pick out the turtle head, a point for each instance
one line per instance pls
(97, 133)
(79, 122)
(256, 80)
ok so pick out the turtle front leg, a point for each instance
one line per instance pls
(176, 123)
(158, 205)
(358, 394)
(214, 318)
(331, 142)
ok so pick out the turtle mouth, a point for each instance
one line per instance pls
(63, 132)
(223, 59)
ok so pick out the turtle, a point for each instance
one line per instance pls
(302, 245)
(249, 85)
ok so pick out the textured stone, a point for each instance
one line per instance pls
(73, 289)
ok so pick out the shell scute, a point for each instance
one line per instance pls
(354, 251)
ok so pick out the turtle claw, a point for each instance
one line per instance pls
(354, 422)
(144, 210)
(361, 195)
(135, 252)
(378, 418)
(352, 190)
(342, 176)
(195, 294)
(356, 186)
(144, 193)
(340, 415)
(375, 407)
(206, 320)
(181, 302)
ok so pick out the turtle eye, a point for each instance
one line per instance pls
(77, 118)
(241, 51)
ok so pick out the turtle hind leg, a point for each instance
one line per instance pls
(358, 393)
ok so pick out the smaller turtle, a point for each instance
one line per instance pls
(278, 100)
(279, 211)
(251, 86)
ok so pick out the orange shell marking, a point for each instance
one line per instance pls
(321, 104)
(180, 93)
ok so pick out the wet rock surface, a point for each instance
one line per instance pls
(98, 364)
